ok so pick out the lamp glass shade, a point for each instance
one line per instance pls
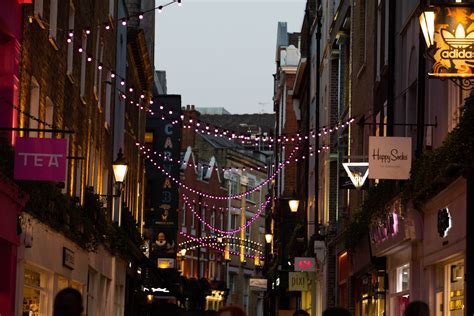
(268, 238)
(294, 205)
(427, 23)
(120, 167)
(120, 171)
(183, 252)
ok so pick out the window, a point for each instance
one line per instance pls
(455, 289)
(111, 8)
(247, 237)
(70, 47)
(53, 19)
(361, 25)
(213, 218)
(118, 301)
(91, 164)
(83, 66)
(92, 289)
(79, 173)
(234, 189)
(183, 216)
(233, 225)
(38, 8)
(98, 45)
(35, 294)
(49, 116)
(108, 99)
(403, 278)
(149, 138)
(34, 106)
(193, 223)
(250, 186)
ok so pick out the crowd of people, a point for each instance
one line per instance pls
(68, 302)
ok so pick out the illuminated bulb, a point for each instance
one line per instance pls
(124, 22)
(89, 59)
(140, 16)
(107, 27)
(69, 40)
(142, 96)
(99, 67)
(80, 50)
(88, 31)
(71, 33)
(122, 83)
(160, 9)
(130, 89)
(179, 3)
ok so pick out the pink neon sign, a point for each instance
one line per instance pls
(40, 159)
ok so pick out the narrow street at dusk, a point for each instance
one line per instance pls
(236, 157)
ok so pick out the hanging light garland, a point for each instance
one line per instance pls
(216, 247)
(233, 231)
(229, 237)
(221, 197)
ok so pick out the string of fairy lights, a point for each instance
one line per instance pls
(216, 246)
(249, 222)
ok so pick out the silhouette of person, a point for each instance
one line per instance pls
(68, 302)
(336, 311)
(417, 308)
(231, 310)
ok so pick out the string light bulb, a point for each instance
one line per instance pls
(160, 9)
(179, 3)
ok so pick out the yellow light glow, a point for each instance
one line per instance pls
(294, 205)
(427, 19)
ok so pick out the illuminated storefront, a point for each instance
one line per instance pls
(444, 249)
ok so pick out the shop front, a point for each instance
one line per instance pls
(49, 262)
(396, 236)
(444, 247)
(11, 201)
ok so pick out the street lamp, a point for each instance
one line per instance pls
(120, 167)
(294, 203)
(268, 238)
(427, 19)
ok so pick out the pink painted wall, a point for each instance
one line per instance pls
(10, 44)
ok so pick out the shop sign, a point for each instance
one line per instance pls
(444, 222)
(299, 281)
(357, 172)
(161, 219)
(258, 284)
(305, 264)
(453, 40)
(68, 258)
(40, 159)
(390, 157)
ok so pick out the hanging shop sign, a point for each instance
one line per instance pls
(161, 216)
(450, 30)
(258, 284)
(305, 264)
(357, 172)
(299, 281)
(40, 159)
(390, 157)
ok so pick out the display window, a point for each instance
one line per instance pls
(455, 288)
(35, 298)
(401, 296)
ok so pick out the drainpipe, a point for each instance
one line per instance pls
(469, 259)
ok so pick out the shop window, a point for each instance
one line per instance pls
(403, 278)
(456, 289)
(35, 297)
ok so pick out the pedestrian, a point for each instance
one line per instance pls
(336, 311)
(417, 308)
(68, 302)
(231, 310)
(300, 312)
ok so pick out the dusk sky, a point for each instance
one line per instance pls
(222, 53)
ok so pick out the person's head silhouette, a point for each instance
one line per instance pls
(417, 308)
(336, 311)
(68, 302)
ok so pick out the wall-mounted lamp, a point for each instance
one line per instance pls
(294, 203)
(268, 238)
(120, 167)
(182, 252)
(427, 19)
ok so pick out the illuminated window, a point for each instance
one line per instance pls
(35, 294)
(70, 47)
(403, 278)
(149, 138)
